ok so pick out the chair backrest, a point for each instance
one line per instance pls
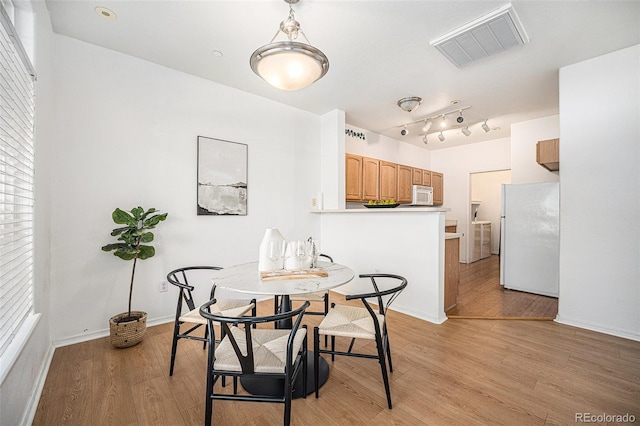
(326, 256)
(379, 294)
(244, 350)
(185, 279)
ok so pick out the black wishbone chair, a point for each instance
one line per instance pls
(247, 352)
(186, 279)
(361, 323)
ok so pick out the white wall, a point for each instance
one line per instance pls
(524, 137)
(388, 149)
(126, 134)
(600, 194)
(20, 390)
(457, 163)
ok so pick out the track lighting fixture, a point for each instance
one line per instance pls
(404, 131)
(427, 126)
(460, 118)
(466, 131)
(424, 139)
(485, 127)
(443, 124)
(441, 137)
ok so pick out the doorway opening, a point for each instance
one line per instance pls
(480, 294)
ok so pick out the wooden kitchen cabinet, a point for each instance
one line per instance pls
(417, 176)
(451, 272)
(388, 180)
(426, 177)
(437, 182)
(451, 228)
(405, 180)
(353, 177)
(370, 179)
(548, 154)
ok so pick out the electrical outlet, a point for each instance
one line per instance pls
(164, 286)
(314, 203)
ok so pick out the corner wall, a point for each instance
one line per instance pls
(600, 194)
(126, 133)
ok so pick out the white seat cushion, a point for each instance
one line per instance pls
(349, 321)
(317, 296)
(227, 308)
(269, 349)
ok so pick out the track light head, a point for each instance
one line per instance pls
(427, 126)
(485, 127)
(466, 131)
(441, 137)
(460, 118)
(404, 131)
(443, 123)
(424, 139)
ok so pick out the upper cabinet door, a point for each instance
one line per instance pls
(426, 178)
(388, 180)
(417, 176)
(370, 179)
(405, 180)
(353, 177)
(437, 182)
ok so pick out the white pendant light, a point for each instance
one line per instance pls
(289, 65)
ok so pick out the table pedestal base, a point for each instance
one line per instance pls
(275, 387)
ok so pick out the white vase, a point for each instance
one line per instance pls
(264, 263)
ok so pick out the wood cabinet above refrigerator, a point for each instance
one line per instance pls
(548, 154)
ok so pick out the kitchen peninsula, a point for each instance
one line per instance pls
(408, 241)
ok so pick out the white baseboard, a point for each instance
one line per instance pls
(32, 404)
(598, 328)
(85, 337)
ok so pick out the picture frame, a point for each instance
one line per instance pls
(222, 177)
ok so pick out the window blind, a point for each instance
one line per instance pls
(17, 108)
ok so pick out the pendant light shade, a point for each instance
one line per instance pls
(289, 65)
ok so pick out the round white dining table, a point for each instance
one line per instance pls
(245, 278)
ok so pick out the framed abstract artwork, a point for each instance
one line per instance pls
(222, 177)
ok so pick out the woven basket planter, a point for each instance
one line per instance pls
(128, 333)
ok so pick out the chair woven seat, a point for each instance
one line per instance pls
(350, 321)
(317, 296)
(269, 349)
(227, 308)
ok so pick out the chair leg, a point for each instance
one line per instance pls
(383, 367)
(304, 365)
(316, 357)
(174, 346)
(333, 348)
(208, 406)
(206, 336)
(386, 339)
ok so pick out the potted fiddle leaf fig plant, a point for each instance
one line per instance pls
(128, 328)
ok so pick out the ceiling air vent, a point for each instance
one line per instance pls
(492, 33)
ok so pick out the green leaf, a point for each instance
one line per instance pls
(154, 220)
(146, 252)
(147, 237)
(124, 255)
(137, 212)
(121, 217)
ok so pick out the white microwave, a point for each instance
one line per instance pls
(422, 195)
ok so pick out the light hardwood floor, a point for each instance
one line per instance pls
(481, 296)
(461, 372)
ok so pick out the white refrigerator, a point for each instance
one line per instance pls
(529, 237)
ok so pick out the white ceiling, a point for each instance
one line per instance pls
(378, 51)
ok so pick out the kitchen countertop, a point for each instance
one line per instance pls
(385, 210)
(481, 222)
